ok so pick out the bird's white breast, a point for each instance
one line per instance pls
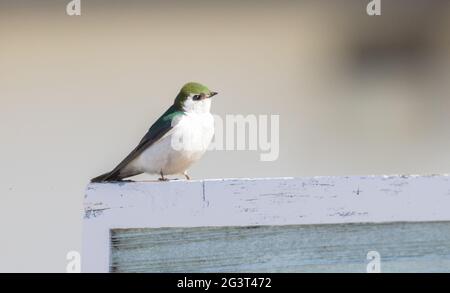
(184, 144)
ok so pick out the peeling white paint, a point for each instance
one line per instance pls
(270, 201)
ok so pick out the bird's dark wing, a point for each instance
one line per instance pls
(163, 125)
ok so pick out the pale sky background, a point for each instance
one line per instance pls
(356, 95)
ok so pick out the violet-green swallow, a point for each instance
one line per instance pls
(176, 140)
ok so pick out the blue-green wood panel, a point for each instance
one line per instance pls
(403, 247)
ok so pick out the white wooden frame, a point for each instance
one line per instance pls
(244, 202)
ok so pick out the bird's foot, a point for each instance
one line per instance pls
(187, 176)
(162, 177)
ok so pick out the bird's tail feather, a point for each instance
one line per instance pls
(110, 176)
(114, 175)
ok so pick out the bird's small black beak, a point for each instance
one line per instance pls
(212, 94)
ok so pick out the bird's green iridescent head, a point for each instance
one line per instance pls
(192, 93)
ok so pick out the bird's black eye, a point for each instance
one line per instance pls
(196, 97)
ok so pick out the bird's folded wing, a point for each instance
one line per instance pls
(160, 128)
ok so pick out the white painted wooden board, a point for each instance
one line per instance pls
(247, 202)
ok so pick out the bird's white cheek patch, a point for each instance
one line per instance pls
(200, 106)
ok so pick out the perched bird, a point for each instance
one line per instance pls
(176, 140)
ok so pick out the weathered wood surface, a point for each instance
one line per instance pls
(316, 200)
(403, 247)
(248, 202)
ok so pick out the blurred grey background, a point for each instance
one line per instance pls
(356, 94)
